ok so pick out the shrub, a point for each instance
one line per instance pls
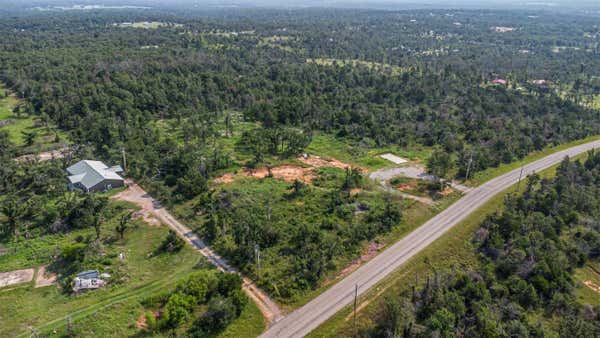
(172, 243)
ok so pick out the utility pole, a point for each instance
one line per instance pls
(519, 181)
(257, 254)
(469, 166)
(355, 298)
(124, 160)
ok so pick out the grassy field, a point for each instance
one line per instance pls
(590, 273)
(276, 41)
(454, 250)
(327, 145)
(110, 311)
(142, 275)
(382, 67)
(16, 126)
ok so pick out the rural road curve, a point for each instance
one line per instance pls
(305, 319)
(135, 194)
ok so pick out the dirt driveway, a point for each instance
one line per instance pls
(152, 210)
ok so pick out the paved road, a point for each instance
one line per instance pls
(151, 208)
(302, 321)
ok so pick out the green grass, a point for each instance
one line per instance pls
(454, 250)
(488, 174)
(382, 67)
(329, 146)
(45, 135)
(126, 314)
(590, 272)
(143, 275)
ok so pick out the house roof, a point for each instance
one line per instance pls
(89, 173)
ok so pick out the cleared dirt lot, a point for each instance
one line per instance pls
(286, 172)
(44, 278)
(16, 277)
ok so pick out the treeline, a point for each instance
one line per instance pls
(103, 87)
(528, 254)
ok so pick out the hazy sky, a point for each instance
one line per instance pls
(548, 4)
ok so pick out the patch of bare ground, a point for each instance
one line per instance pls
(592, 285)
(407, 186)
(447, 191)
(141, 322)
(44, 278)
(141, 199)
(318, 162)
(286, 172)
(16, 277)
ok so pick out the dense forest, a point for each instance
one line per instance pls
(528, 254)
(191, 96)
(425, 79)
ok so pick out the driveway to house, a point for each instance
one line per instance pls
(305, 319)
(150, 208)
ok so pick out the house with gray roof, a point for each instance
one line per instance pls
(93, 176)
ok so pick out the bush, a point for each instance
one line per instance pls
(74, 253)
(221, 312)
(199, 285)
(177, 310)
(172, 243)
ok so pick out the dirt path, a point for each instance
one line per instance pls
(44, 278)
(152, 208)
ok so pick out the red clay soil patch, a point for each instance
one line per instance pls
(287, 172)
(447, 191)
(225, 178)
(355, 191)
(372, 249)
(592, 285)
(141, 322)
(407, 186)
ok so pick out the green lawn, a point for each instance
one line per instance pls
(45, 136)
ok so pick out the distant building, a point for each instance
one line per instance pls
(93, 176)
(499, 82)
(502, 29)
(87, 280)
